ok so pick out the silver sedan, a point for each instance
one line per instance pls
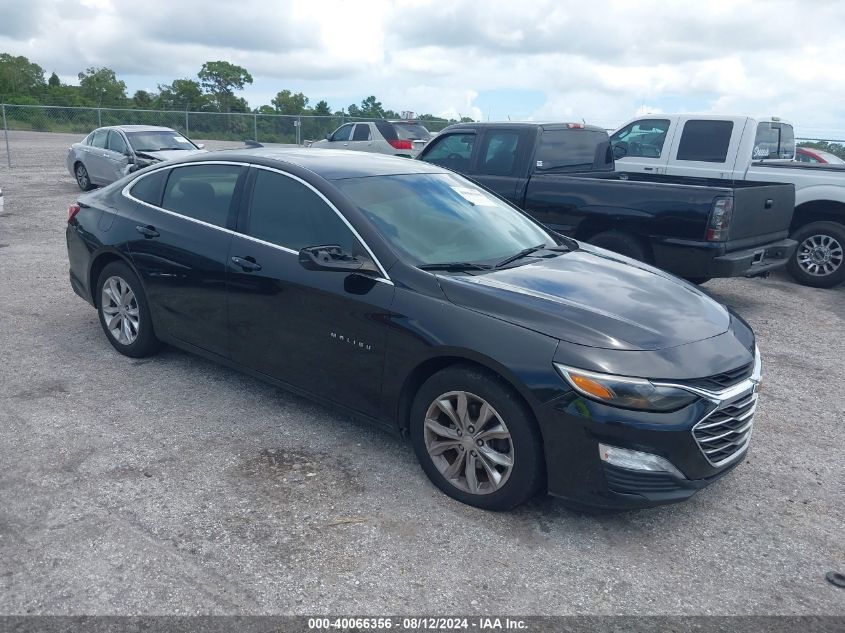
(109, 153)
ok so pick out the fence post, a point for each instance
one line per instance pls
(99, 118)
(187, 127)
(255, 126)
(299, 130)
(6, 134)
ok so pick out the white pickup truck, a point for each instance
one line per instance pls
(743, 148)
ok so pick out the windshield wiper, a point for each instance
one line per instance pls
(530, 250)
(523, 253)
(457, 266)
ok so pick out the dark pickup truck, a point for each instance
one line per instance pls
(563, 175)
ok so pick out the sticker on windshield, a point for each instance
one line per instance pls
(474, 197)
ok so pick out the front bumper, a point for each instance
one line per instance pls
(574, 426)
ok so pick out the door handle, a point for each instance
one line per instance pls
(648, 168)
(247, 264)
(147, 231)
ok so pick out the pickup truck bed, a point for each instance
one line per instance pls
(671, 222)
(671, 218)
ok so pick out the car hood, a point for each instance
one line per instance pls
(171, 153)
(593, 297)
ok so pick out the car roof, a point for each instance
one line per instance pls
(138, 128)
(517, 125)
(330, 164)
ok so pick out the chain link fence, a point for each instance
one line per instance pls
(220, 126)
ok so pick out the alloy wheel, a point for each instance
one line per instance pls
(119, 307)
(468, 442)
(82, 176)
(820, 255)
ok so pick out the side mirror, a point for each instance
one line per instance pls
(200, 145)
(620, 151)
(328, 137)
(130, 158)
(333, 257)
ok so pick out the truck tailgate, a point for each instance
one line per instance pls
(762, 212)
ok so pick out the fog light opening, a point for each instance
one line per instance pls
(635, 460)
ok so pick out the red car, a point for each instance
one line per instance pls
(809, 155)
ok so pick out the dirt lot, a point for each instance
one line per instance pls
(173, 485)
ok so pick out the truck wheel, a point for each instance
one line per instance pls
(621, 243)
(819, 260)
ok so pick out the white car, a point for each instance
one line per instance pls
(397, 138)
(109, 153)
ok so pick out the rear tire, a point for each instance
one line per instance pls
(622, 243)
(486, 452)
(124, 312)
(819, 260)
(83, 180)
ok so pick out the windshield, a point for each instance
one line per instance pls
(158, 140)
(774, 140)
(437, 218)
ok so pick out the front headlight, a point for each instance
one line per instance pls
(625, 392)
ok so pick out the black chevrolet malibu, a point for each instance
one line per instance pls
(516, 360)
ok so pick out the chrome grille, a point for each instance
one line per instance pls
(724, 433)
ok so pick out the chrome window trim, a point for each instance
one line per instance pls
(127, 194)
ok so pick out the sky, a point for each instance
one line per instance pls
(603, 62)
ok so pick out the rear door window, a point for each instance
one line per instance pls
(362, 132)
(451, 150)
(705, 141)
(149, 188)
(202, 192)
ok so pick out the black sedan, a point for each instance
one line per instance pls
(516, 360)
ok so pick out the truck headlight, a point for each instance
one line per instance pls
(625, 392)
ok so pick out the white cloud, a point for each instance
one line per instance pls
(602, 63)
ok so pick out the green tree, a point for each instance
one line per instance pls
(20, 77)
(371, 108)
(322, 108)
(181, 94)
(287, 102)
(54, 81)
(101, 87)
(142, 99)
(221, 79)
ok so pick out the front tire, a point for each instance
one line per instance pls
(819, 260)
(476, 439)
(124, 312)
(83, 180)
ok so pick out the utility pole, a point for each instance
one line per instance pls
(6, 134)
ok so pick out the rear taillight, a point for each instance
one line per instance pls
(400, 144)
(720, 219)
(72, 210)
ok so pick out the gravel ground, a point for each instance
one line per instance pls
(173, 485)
